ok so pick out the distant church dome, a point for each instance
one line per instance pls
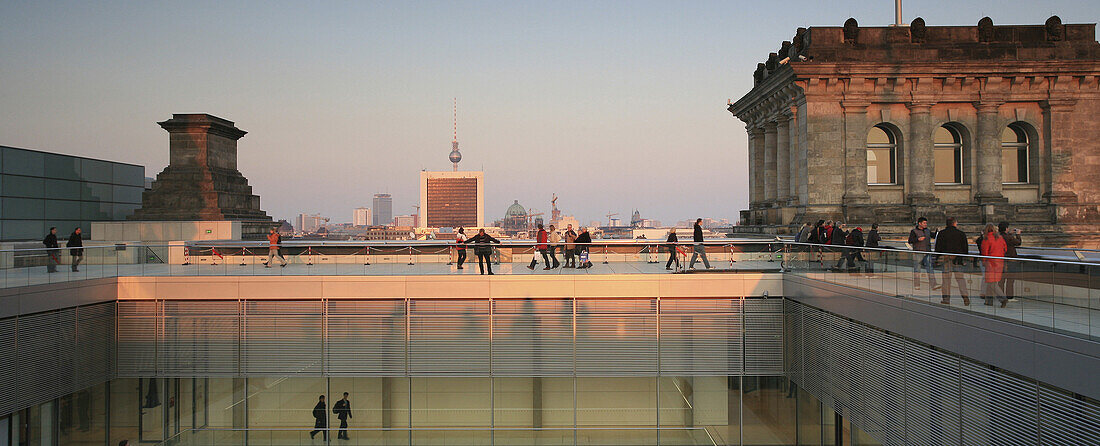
(515, 210)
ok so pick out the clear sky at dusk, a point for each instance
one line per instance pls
(612, 105)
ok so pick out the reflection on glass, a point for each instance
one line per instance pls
(881, 156)
(769, 410)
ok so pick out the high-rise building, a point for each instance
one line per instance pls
(310, 223)
(406, 221)
(361, 217)
(383, 209)
(451, 199)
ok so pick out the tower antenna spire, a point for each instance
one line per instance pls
(455, 157)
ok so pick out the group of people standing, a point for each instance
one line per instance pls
(75, 245)
(571, 244)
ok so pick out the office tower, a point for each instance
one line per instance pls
(361, 217)
(451, 199)
(383, 209)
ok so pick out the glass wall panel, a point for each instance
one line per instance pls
(97, 192)
(285, 402)
(91, 210)
(96, 170)
(23, 208)
(699, 402)
(128, 175)
(152, 394)
(62, 166)
(82, 417)
(223, 407)
(809, 419)
(125, 410)
(769, 410)
(62, 210)
(127, 194)
(23, 162)
(860, 438)
(533, 402)
(22, 229)
(451, 402)
(20, 186)
(376, 402)
(62, 189)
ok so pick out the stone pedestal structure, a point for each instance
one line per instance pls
(201, 181)
(983, 123)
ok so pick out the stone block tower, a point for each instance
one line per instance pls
(201, 181)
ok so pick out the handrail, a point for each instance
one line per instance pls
(934, 253)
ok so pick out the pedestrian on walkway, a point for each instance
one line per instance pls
(700, 250)
(920, 239)
(671, 247)
(542, 246)
(814, 238)
(839, 238)
(872, 242)
(273, 240)
(483, 249)
(460, 246)
(1012, 267)
(951, 240)
(320, 419)
(570, 247)
(555, 244)
(53, 254)
(77, 253)
(854, 241)
(993, 248)
(584, 242)
(803, 233)
(342, 409)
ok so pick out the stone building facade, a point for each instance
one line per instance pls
(884, 124)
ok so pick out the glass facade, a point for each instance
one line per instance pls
(39, 190)
(452, 202)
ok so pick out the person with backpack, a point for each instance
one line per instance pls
(951, 240)
(542, 246)
(920, 239)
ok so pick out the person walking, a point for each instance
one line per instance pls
(700, 250)
(1012, 267)
(951, 240)
(542, 246)
(854, 241)
(460, 246)
(873, 240)
(839, 237)
(670, 245)
(814, 238)
(273, 240)
(555, 244)
(52, 252)
(77, 252)
(584, 240)
(342, 409)
(920, 239)
(570, 247)
(483, 250)
(320, 419)
(993, 248)
(803, 233)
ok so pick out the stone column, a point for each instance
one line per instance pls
(855, 153)
(988, 154)
(792, 156)
(770, 191)
(920, 159)
(783, 160)
(756, 192)
(1058, 117)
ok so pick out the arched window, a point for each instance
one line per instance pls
(1014, 155)
(947, 153)
(881, 156)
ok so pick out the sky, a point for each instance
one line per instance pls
(613, 106)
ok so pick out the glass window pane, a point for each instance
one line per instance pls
(880, 166)
(96, 211)
(23, 230)
(23, 162)
(878, 136)
(944, 136)
(61, 166)
(127, 194)
(1013, 135)
(451, 402)
(946, 165)
(23, 208)
(769, 416)
(62, 209)
(62, 189)
(96, 170)
(20, 186)
(128, 175)
(1010, 165)
(97, 192)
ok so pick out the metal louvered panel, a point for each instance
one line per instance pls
(282, 337)
(9, 370)
(199, 338)
(763, 336)
(616, 337)
(700, 336)
(365, 338)
(814, 352)
(95, 344)
(1065, 419)
(998, 408)
(45, 350)
(137, 339)
(532, 337)
(931, 395)
(449, 337)
(884, 387)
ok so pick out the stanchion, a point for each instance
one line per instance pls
(186, 255)
(411, 256)
(243, 252)
(604, 254)
(215, 256)
(680, 253)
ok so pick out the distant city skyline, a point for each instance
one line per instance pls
(613, 106)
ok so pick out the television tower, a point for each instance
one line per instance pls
(455, 157)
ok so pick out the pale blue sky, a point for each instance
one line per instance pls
(612, 105)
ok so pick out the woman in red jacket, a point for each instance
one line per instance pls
(993, 245)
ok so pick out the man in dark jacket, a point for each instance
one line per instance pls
(920, 239)
(670, 245)
(1012, 267)
(951, 240)
(700, 250)
(872, 242)
(839, 237)
(51, 250)
(854, 241)
(483, 250)
(320, 417)
(342, 409)
(78, 253)
(583, 242)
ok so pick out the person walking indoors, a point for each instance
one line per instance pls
(993, 248)
(320, 419)
(584, 241)
(671, 247)
(77, 252)
(951, 240)
(570, 247)
(542, 246)
(53, 254)
(1012, 267)
(273, 240)
(342, 409)
(460, 246)
(699, 250)
(555, 244)
(483, 249)
(920, 239)
(803, 233)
